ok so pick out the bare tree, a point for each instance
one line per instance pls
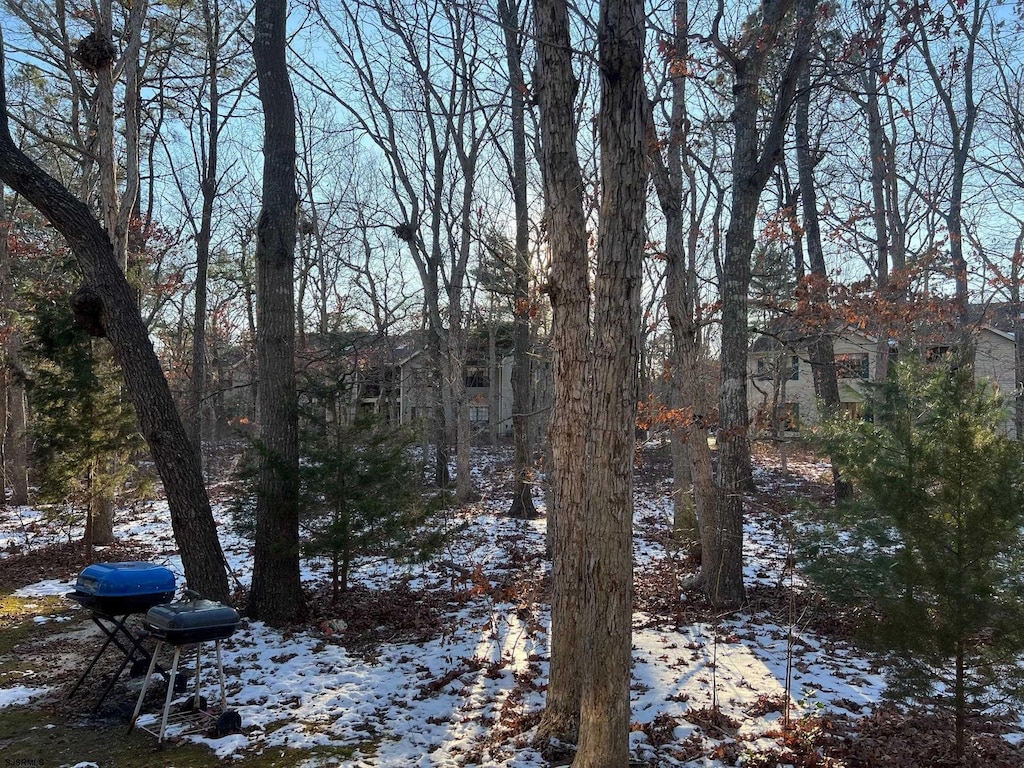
(674, 180)
(276, 595)
(432, 131)
(758, 144)
(522, 498)
(952, 72)
(214, 101)
(13, 434)
(820, 348)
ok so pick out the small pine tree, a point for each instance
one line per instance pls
(83, 439)
(932, 540)
(362, 495)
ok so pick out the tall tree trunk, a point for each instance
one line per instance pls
(208, 188)
(689, 439)
(276, 595)
(758, 146)
(961, 118)
(13, 443)
(608, 575)
(820, 350)
(116, 208)
(569, 291)
(522, 498)
(173, 453)
(456, 365)
(879, 176)
(1018, 330)
(493, 379)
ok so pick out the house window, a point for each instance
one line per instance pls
(477, 377)
(479, 413)
(854, 366)
(764, 370)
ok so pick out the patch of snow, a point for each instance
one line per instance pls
(20, 694)
(444, 701)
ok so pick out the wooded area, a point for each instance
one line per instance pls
(558, 224)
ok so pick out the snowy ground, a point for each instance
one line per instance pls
(469, 694)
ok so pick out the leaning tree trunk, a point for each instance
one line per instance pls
(608, 574)
(276, 595)
(173, 453)
(569, 291)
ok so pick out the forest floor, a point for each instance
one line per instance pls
(444, 663)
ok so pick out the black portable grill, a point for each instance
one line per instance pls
(113, 592)
(190, 622)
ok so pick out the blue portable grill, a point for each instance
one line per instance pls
(113, 592)
(118, 589)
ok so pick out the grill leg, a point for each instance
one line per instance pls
(220, 674)
(199, 664)
(145, 685)
(111, 634)
(170, 693)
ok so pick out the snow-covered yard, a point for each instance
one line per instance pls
(466, 686)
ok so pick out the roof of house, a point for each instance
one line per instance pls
(789, 331)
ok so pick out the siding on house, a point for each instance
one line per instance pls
(994, 361)
(854, 350)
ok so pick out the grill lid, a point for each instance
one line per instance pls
(127, 579)
(192, 621)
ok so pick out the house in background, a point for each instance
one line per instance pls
(488, 392)
(781, 385)
(780, 389)
(417, 393)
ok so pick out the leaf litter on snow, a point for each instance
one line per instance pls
(444, 663)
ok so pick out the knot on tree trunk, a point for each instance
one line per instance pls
(95, 52)
(88, 309)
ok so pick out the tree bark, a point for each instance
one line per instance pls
(569, 291)
(115, 208)
(690, 438)
(276, 595)
(173, 453)
(1017, 306)
(13, 444)
(608, 527)
(208, 188)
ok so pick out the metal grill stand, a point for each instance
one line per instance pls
(204, 716)
(190, 622)
(114, 627)
(113, 592)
